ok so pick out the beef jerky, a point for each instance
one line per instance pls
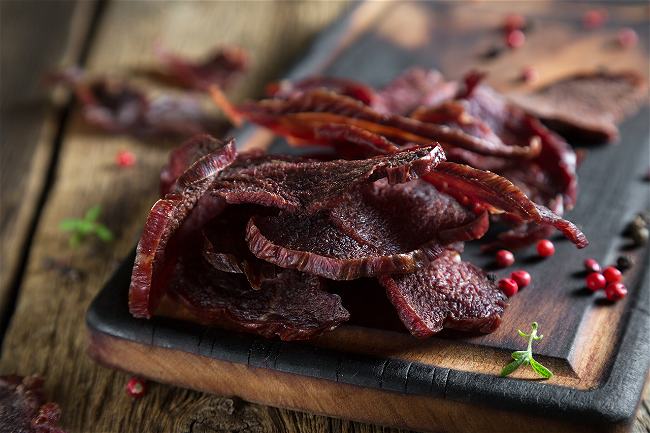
(587, 107)
(288, 89)
(170, 221)
(24, 407)
(225, 247)
(385, 229)
(300, 117)
(414, 88)
(308, 186)
(225, 67)
(294, 305)
(112, 104)
(183, 157)
(446, 294)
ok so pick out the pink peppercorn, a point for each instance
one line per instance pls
(125, 158)
(545, 248)
(592, 265)
(595, 281)
(627, 37)
(531, 75)
(522, 278)
(615, 291)
(515, 38)
(508, 286)
(595, 18)
(612, 275)
(504, 258)
(136, 387)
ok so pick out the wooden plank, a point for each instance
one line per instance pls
(29, 122)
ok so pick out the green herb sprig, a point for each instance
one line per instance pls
(86, 226)
(525, 357)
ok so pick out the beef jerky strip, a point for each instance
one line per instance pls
(448, 293)
(300, 117)
(587, 107)
(309, 186)
(224, 67)
(154, 262)
(112, 104)
(385, 229)
(494, 192)
(294, 305)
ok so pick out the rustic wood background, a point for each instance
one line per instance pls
(54, 166)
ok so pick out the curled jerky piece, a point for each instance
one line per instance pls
(385, 229)
(298, 118)
(293, 306)
(308, 186)
(448, 293)
(288, 89)
(169, 223)
(498, 195)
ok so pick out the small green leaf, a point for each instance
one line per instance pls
(521, 354)
(540, 369)
(103, 233)
(522, 334)
(68, 225)
(93, 213)
(510, 368)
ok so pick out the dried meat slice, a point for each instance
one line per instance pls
(288, 89)
(448, 293)
(587, 107)
(183, 157)
(310, 186)
(24, 408)
(385, 229)
(299, 118)
(225, 67)
(112, 104)
(225, 246)
(169, 223)
(499, 195)
(293, 306)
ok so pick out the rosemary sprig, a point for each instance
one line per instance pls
(525, 357)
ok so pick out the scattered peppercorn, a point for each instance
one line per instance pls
(522, 278)
(504, 258)
(136, 387)
(592, 265)
(531, 75)
(595, 18)
(625, 261)
(612, 275)
(595, 281)
(125, 158)
(515, 38)
(545, 248)
(627, 37)
(615, 291)
(508, 286)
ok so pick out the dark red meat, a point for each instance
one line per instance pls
(24, 408)
(587, 107)
(294, 305)
(448, 293)
(384, 229)
(225, 67)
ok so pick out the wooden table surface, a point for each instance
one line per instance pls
(54, 166)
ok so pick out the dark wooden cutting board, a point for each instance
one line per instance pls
(369, 369)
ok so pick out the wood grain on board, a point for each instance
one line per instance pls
(47, 332)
